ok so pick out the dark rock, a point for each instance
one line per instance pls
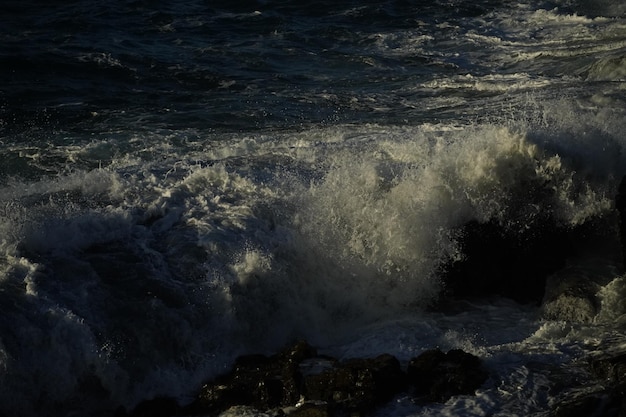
(513, 256)
(508, 263)
(500, 260)
(357, 385)
(157, 407)
(437, 376)
(301, 383)
(258, 381)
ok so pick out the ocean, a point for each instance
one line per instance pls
(185, 182)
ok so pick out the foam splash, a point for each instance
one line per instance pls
(332, 231)
(390, 216)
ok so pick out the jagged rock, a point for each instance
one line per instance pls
(516, 263)
(514, 259)
(508, 263)
(258, 381)
(300, 383)
(437, 376)
(357, 385)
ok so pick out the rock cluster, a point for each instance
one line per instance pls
(299, 382)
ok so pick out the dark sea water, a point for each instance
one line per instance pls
(182, 183)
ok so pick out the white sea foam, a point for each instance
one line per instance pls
(322, 234)
(152, 258)
(612, 303)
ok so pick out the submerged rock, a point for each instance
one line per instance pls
(605, 396)
(612, 370)
(437, 376)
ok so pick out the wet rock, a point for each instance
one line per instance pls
(357, 385)
(515, 259)
(258, 381)
(508, 263)
(299, 382)
(437, 376)
(321, 385)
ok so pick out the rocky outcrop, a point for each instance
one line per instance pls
(354, 386)
(299, 375)
(299, 382)
(437, 376)
(516, 262)
(506, 263)
(258, 381)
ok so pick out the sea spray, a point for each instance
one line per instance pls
(181, 185)
(392, 215)
(347, 227)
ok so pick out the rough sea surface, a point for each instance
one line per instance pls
(185, 182)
